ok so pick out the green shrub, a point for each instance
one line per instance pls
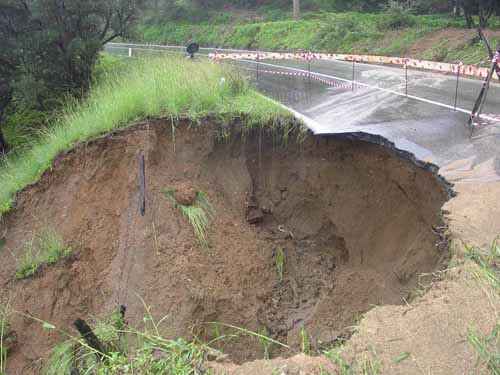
(108, 64)
(24, 126)
(395, 20)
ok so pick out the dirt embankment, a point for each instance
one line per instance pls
(356, 224)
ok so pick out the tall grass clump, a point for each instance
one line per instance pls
(280, 262)
(149, 87)
(7, 336)
(198, 213)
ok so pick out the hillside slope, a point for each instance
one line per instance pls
(427, 37)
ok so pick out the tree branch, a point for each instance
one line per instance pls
(485, 40)
(116, 35)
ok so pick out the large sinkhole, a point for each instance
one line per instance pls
(314, 232)
(308, 232)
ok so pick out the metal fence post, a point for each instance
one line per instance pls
(257, 72)
(406, 78)
(142, 184)
(309, 66)
(458, 80)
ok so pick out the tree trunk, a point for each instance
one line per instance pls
(4, 147)
(469, 7)
(483, 20)
(5, 98)
(469, 19)
(456, 8)
(296, 9)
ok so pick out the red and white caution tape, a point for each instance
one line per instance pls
(492, 119)
(468, 70)
(329, 82)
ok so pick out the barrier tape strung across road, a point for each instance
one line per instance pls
(494, 118)
(468, 70)
(330, 82)
(312, 76)
(387, 90)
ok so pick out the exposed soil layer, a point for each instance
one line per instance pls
(357, 224)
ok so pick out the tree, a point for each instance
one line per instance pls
(49, 47)
(296, 9)
(486, 9)
(483, 8)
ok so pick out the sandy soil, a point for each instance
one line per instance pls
(357, 222)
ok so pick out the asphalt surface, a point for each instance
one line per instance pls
(432, 132)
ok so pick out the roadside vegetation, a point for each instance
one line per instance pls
(152, 87)
(392, 33)
(44, 248)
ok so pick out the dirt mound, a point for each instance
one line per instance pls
(305, 237)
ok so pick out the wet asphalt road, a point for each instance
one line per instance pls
(431, 132)
(435, 134)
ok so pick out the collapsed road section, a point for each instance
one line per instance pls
(270, 228)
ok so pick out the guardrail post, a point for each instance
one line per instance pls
(130, 52)
(458, 80)
(353, 71)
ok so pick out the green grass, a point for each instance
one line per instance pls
(487, 348)
(265, 343)
(153, 87)
(305, 343)
(348, 32)
(280, 262)
(488, 262)
(197, 214)
(6, 336)
(344, 367)
(368, 364)
(45, 248)
(131, 350)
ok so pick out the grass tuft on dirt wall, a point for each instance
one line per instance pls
(44, 248)
(149, 87)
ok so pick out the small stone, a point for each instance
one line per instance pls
(185, 195)
(255, 216)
